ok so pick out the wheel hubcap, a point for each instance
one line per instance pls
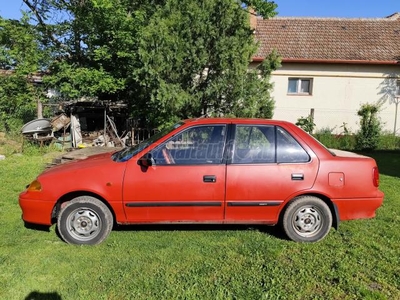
(84, 224)
(307, 221)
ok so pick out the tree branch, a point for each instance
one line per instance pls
(43, 24)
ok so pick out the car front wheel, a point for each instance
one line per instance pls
(307, 219)
(84, 220)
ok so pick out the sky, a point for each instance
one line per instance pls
(10, 9)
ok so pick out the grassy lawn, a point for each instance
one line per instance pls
(360, 261)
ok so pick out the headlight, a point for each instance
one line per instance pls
(35, 186)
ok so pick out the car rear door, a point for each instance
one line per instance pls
(268, 166)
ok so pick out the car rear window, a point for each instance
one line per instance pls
(288, 149)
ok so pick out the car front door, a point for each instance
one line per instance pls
(186, 181)
(268, 165)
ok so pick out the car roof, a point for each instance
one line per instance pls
(235, 121)
(305, 137)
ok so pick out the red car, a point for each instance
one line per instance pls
(221, 171)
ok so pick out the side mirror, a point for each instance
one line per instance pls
(146, 160)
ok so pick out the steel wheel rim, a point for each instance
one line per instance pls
(84, 224)
(307, 221)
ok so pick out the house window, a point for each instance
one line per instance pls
(300, 86)
(398, 88)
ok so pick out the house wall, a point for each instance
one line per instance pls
(337, 93)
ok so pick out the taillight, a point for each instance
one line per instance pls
(375, 176)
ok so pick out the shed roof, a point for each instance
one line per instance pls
(375, 40)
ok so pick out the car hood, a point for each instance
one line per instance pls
(93, 161)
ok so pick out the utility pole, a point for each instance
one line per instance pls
(396, 103)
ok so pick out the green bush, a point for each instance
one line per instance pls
(344, 141)
(348, 142)
(11, 125)
(388, 141)
(368, 136)
(326, 137)
(307, 124)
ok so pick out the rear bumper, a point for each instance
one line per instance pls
(358, 208)
(36, 211)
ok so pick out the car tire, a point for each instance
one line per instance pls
(84, 220)
(307, 219)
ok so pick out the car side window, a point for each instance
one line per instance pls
(193, 146)
(254, 144)
(266, 144)
(288, 149)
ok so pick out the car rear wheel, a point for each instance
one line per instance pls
(307, 219)
(84, 220)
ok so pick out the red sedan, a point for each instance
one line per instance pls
(222, 171)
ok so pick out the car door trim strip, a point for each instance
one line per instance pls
(255, 203)
(173, 204)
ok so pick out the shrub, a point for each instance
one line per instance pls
(388, 141)
(325, 136)
(344, 140)
(368, 136)
(307, 124)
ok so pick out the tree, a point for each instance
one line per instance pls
(169, 59)
(93, 43)
(195, 57)
(21, 59)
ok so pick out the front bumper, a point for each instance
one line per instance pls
(35, 211)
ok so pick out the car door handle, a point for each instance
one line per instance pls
(297, 176)
(209, 178)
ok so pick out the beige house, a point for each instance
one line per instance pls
(330, 66)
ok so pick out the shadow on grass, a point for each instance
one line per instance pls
(38, 227)
(388, 161)
(43, 296)
(274, 231)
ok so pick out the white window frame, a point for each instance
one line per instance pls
(299, 81)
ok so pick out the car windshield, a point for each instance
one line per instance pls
(128, 152)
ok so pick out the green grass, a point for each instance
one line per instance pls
(360, 261)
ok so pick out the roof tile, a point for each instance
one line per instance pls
(330, 38)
